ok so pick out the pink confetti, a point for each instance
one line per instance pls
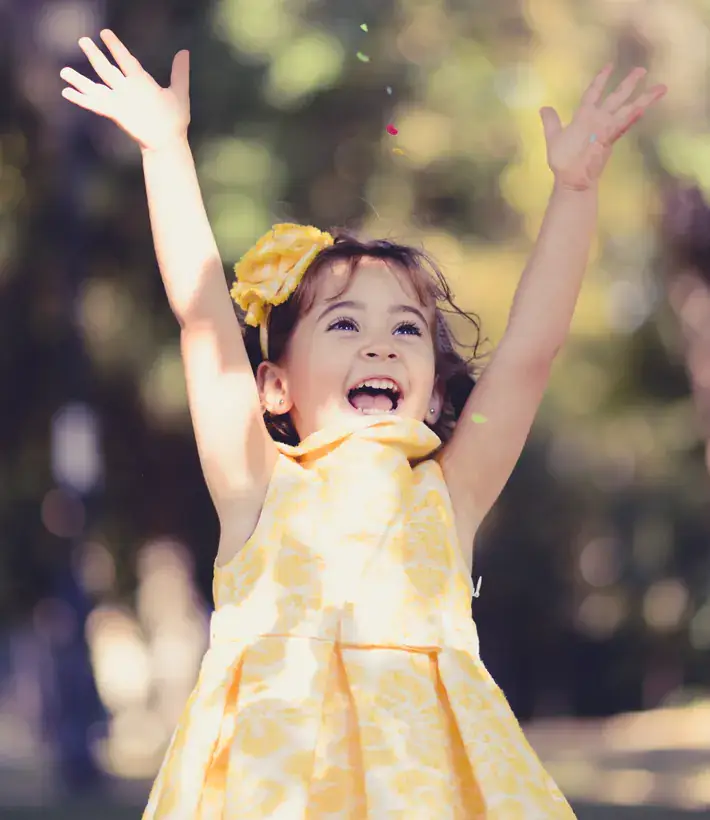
(392, 130)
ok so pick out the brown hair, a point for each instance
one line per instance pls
(454, 372)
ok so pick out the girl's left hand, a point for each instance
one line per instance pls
(578, 153)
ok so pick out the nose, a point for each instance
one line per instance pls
(379, 351)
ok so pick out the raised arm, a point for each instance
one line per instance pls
(480, 457)
(236, 451)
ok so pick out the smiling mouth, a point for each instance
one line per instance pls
(375, 396)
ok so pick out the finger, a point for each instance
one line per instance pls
(180, 78)
(79, 81)
(128, 64)
(614, 101)
(642, 104)
(83, 101)
(550, 122)
(652, 96)
(596, 88)
(101, 64)
(632, 120)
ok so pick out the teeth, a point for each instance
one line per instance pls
(378, 384)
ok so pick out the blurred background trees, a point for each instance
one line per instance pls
(596, 567)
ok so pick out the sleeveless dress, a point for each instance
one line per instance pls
(343, 679)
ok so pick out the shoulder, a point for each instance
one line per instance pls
(244, 520)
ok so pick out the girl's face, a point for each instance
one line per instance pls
(367, 351)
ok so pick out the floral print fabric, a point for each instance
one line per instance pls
(343, 679)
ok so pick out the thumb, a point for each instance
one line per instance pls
(550, 122)
(180, 77)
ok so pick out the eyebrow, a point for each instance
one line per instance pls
(361, 306)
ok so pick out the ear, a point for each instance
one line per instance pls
(273, 389)
(436, 403)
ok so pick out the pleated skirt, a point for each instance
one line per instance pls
(307, 729)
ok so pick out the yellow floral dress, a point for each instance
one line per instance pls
(343, 679)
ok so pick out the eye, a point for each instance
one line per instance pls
(343, 323)
(409, 329)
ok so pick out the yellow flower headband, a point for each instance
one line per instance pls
(271, 271)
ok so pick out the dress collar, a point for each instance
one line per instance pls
(413, 437)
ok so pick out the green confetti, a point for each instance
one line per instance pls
(364, 26)
(477, 418)
(363, 57)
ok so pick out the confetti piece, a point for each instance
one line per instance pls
(392, 130)
(477, 418)
(389, 90)
(362, 57)
(364, 26)
(398, 151)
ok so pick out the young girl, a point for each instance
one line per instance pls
(343, 678)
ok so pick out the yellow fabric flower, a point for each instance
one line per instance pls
(272, 270)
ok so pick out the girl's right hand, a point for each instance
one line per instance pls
(151, 115)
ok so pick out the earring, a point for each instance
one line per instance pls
(432, 410)
(281, 401)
